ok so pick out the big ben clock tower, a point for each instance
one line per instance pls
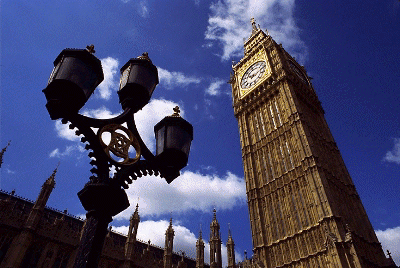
(304, 209)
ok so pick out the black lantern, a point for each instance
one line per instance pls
(76, 74)
(139, 78)
(174, 136)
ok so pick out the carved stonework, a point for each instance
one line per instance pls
(290, 156)
(56, 239)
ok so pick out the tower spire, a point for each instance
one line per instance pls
(200, 251)
(253, 26)
(215, 243)
(46, 190)
(169, 244)
(3, 151)
(131, 239)
(230, 247)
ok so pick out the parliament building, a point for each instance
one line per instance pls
(303, 206)
(33, 235)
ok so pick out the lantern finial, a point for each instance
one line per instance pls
(176, 112)
(144, 56)
(90, 49)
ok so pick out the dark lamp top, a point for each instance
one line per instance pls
(143, 60)
(85, 55)
(175, 120)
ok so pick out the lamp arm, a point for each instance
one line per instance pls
(126, 117)
(99, 123)
(101, 162)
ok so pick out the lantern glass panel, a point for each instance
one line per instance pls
(178, 138)
(160, 138)
(80, 73)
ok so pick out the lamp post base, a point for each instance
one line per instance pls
(92, 240)
(102, 201)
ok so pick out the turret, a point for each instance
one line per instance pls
(169, 244)
(131, 239)
(200, 252)
(41, 201)
(2, 153)
(215, 243)
(230, 246)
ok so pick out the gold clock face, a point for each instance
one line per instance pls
(253, 74)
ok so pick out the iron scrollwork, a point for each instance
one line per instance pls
(122, 138)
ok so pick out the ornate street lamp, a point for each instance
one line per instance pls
(76, 74)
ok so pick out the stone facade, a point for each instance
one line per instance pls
(33, 235)
(304, 208)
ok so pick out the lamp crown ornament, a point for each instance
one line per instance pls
(145, 56)
(176, 112)
(90, 49)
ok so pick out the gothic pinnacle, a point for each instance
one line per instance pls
(51, 180)
(2, 152)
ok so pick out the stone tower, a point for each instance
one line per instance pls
(304, 208)
(169, 244)
(230, 247)
(215, 243)
(131, 239)
(200, 252)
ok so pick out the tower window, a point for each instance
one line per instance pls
(283, 159)
(262, 123)
(270, 165)
(289, 154)
(273, 117)
(296, 212)
(265, 168)
(278, 113)
(257, 128)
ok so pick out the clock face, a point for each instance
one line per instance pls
(253, 74)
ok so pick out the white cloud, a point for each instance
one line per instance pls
(9, 171)
(110, 69)
(144, 10)
(189, 192)
(175, 79)
(69, 150)
(394, 155)
(184, 239)
(229, 24)
(100, 113)
(64, 132)
(390, 240)
(214, 88)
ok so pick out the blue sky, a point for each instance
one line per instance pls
(351, 49)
